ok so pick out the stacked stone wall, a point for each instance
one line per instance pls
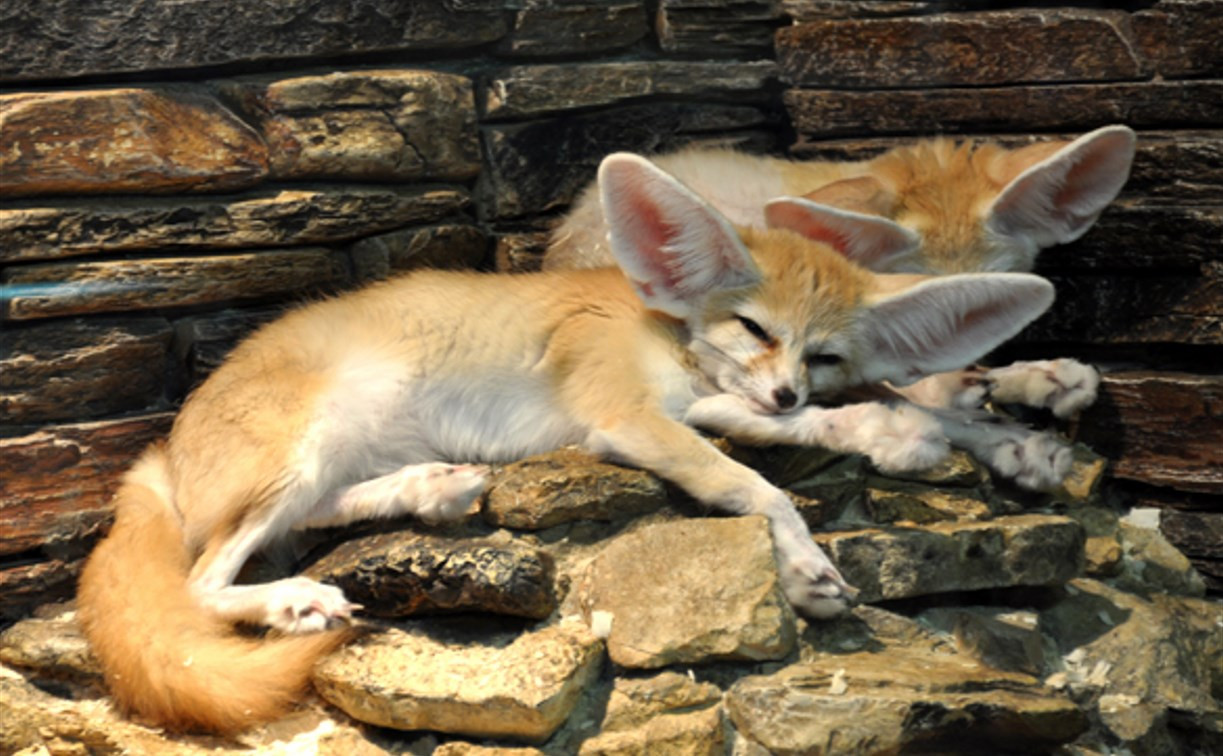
(174, 173)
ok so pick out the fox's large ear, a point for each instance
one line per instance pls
(948, 322)
(869, 240)
(672, 245)
(1058, 198)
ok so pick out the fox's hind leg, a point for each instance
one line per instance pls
(434, 492)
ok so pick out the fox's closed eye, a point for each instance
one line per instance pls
(824, 360)
(755, 329)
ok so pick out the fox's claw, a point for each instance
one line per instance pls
(301, 605)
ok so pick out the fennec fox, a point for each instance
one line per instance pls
(386, 401)
(933, 207)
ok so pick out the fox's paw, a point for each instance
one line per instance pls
(901, 438)
(1064, 386)
(447, 491)
(972, 389)
(301, 605)
(812, 585)
(1035, 461)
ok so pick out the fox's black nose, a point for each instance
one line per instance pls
(785, 397)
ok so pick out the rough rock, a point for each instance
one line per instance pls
(959, 49)
(124, 140)
(203, 342)
(899, 699)
(33, 582)
(50, 290)
(520, 252)
(1063, 107)
(57, 483)
(566, 485)
(574, 28)
(527, 91)
(540, 165)
(447, 245)
(1000, 638)
(481, 683)
(690, 591)
(74, 369)
(1082, 485)
(1180, 37)
(51, 39)
(668, 713)
(893, 563)
(1136, 659)
(403, 573)
(812, 10)
(1158, 428)
(924, 506)
(381, 125)
(701, 27)
(53, 646)
(265, 218)
(1150, 564)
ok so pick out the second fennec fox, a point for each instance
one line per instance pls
(384, 402)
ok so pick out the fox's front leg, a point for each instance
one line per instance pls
(896, 438)
(676, 452)
(1064, 386)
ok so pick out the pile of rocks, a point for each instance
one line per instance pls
(583, 607)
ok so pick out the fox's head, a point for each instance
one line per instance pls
(938, 207)
(775, 317)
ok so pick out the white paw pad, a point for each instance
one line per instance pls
(301, 605)
(1036, 461)
(1064, 386)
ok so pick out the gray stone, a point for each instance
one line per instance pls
(553, 28)
(924, 506)
(1000, 638)
(690, 591)
(717, 29)
(76, 369)
(567, 485)
(467, 682)
(541, 165)
(53, 39)
(124, 140)
(56, 289)
(1064, 107)
(960, 49)
(405, 573)
(958, 556)
(897, 699)
(202, 343)
(266, 218)
(814, 10)
(1151, 564)
(526, 91)
(669, 713)
(447, 245)
(381, 125)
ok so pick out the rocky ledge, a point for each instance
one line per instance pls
(587, 608)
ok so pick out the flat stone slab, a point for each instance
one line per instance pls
(888, 701)
(495, 684)
(142, 141)
(404, 573)
(568, 485)
(263, 218)
(690, 591)
(947, 557)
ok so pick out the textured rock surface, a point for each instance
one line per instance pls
(492, 684)
(1179, 37)
(81, 368)
(385, 125)
(261, 219)
(445, 245)
(656, 584)
(49, 40)
(398, 574)
(524, 91)
(549, 489)
(978, 49)
(569, 28)
(124, 140)
(902, 562)
(701, 27)
(57, 289)
(895, 699)
(52, 645)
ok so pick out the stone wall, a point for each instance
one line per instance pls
(174, 173)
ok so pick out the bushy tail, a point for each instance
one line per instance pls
(164, 656)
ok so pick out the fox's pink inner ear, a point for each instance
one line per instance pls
(1056, 200)
(672, 245)
(869, 240)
